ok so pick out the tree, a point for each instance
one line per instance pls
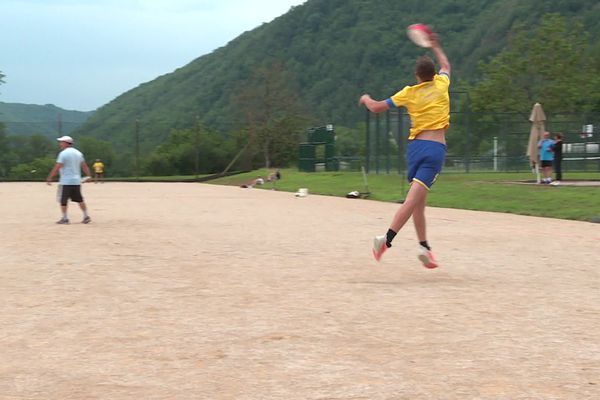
(20, 147)
(188, 152)
(5, 154)
(40, 146)
(37, 169)
(93, 148)
(546, 64)
(20, 155)
(272, 113)
(350, 142)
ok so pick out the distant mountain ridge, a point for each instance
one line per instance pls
(47, 120)
(335, 50)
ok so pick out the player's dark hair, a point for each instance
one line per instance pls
(425, 68)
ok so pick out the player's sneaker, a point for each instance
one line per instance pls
(379, 246)
(63, 221)
(427, 258)
(86, 220)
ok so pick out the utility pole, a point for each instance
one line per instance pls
(368, 140)
(137, 149)
(197, 164)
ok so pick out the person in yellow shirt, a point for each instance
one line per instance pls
(428, 104)
(98, 171)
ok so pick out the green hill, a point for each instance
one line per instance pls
(48, 120)
(334, 50)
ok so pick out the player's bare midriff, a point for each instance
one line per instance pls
(437, 135)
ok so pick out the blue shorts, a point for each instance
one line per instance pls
(425, 161)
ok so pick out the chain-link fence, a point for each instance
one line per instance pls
(132, 150)
(476, 142)
(481, 142)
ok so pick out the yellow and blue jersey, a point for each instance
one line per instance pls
(428, 104)
(98, 167)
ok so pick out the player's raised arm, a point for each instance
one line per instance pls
(445, 66)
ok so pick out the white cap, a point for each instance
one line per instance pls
(67, 139)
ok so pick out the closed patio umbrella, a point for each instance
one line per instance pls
(537, 119)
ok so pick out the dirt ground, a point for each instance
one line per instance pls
(194, 291)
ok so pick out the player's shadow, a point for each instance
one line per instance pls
(431, 280)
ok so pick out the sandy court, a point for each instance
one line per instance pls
(193, 291)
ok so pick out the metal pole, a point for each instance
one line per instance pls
(399, 140)
(368, 141)
(377, 126)
(507, 129)
(137, 149)
(387, 142)
(403, 129)
(495, 153)
(467, 156)
(197, 161)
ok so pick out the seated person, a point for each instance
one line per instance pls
(274, 176)
(253, 182)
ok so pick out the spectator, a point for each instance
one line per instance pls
(557, 149)
(546, 157)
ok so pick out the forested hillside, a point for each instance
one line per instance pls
(331, 51)
(47, 120)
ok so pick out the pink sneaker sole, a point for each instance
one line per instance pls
(378, 254)
(428, 261)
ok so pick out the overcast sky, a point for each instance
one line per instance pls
(80, 54)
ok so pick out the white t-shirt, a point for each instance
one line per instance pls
(70, 172)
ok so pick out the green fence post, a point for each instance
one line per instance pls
(467, 155)
(387, 142)
(377, 127)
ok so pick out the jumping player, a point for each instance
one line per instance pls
(428, 104)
